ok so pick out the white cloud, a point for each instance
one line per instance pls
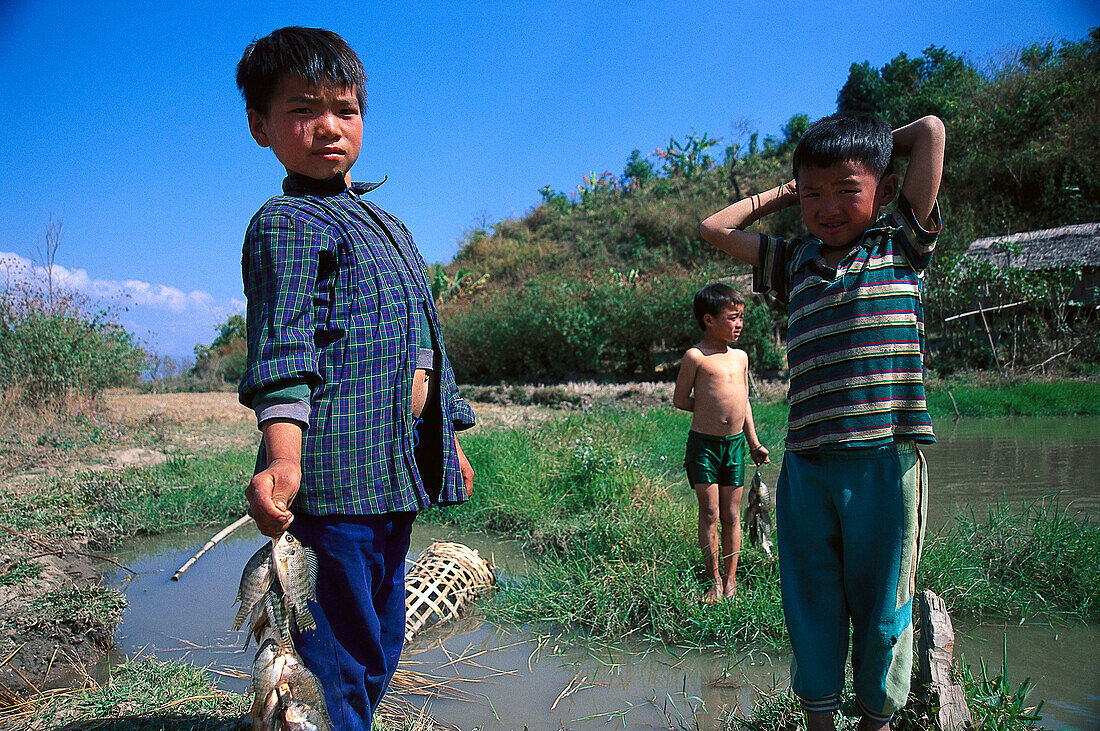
(165, 318)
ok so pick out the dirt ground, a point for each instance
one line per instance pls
(135, 429)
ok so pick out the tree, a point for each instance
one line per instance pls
(225, 358)
(638, 171)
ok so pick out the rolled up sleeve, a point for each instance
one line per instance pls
(279, 265)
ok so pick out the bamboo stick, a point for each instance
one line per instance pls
(210, 544)
(988, 309)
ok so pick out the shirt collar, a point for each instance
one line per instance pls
(295, 184)
(813, 251)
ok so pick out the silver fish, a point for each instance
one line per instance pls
(265, 677)
(303, 699)
(303, 717)
(295, 566)
(304, 685)
(270, 618)
(255, 581)
(758, 516)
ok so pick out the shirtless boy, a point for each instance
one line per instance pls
(714, 385)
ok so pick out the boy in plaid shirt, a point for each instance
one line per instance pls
(347, 371)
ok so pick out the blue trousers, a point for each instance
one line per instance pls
(850, 524)
(360, 609)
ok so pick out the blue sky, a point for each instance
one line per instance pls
(122, 120)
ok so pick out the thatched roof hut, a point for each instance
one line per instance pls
(1064, 247)
(1050, 248)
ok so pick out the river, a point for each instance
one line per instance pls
(531, 676)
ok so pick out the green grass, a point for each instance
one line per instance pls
(18, 571)
(1017, 563)
(146, 694)
(993, 396)
(601, 497)
(80, 607)
(108, 507)
(995, 702)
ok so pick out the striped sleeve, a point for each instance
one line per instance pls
(770, 278)
(915, 241)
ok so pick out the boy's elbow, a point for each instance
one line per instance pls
(709, 232)
(934, 128)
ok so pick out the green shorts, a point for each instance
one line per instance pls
(713, 460)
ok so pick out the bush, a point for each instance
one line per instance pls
(50, 355)
(609, 325)
(1042, 321)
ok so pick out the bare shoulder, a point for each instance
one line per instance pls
(693, 354)
(739, 360)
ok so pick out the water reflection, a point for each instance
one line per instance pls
(978, 462)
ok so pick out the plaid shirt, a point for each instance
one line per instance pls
(334, 286)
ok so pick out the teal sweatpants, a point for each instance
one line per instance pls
(850, 525)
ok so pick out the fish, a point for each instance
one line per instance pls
(265, 678)
(302, 717)
(278, 582)
(304, 686)
(758, 517)
(270, 618)
(295, 567)
(303, 700)
(255, 581)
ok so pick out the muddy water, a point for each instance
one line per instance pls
(521, 676)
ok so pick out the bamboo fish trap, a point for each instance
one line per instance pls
(441, 582)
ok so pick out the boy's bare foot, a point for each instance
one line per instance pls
(712, 595)
(731, 591)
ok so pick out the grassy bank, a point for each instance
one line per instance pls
(146, 694)
(107, 507)
(600, 496)
(991, 395)
(1017, 562)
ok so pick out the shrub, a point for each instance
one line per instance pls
(610, 325)
(50, 355)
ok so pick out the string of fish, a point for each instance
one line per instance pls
(276, 586)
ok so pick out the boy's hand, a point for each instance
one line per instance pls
(725, 229)
(270, 494)
(466, 469)
(788, 193)
(759, 455)
(271, 491)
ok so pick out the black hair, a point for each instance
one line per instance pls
(319, 56)
(847, 137)
(712, 299)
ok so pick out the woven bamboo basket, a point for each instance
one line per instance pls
(441, 582)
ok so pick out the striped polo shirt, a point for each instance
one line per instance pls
(855, 334)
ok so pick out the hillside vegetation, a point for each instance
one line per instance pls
(598, 281)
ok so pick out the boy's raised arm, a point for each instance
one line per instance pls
(922, 142)
(725, 229)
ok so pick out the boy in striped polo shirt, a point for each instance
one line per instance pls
(850, 501)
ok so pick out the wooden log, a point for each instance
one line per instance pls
(935, 649)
